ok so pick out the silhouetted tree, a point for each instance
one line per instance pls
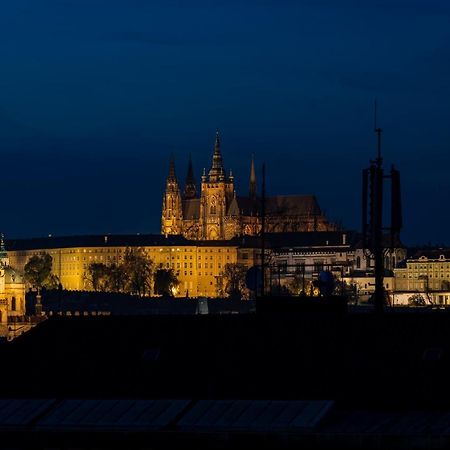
(97, 276)
(138, 271)
(117, 278)
(166, 282)
(38, 272)
(234, 278)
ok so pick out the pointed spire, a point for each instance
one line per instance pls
(190, 190)
(252, 189)
(172, 175)
(190, 174)
(217, 172)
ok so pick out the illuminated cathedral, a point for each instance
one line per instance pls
(217, 212)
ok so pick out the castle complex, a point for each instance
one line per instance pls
(218, 213)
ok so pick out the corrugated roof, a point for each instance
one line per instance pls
(391, 422)
(254, 415)
(114, 414)
(21, 412)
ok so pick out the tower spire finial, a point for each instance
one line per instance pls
(217, 172)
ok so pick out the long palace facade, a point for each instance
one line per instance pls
(198, 265)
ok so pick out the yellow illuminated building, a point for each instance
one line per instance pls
(198, 264)
(12, 289)
(426, 271)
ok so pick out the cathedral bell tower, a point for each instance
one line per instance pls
(172, 212)
(216, 196)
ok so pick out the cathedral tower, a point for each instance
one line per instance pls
(216, 196)
(172, 212)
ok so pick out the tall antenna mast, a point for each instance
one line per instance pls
(378, 131)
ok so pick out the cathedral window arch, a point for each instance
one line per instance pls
(212, 209)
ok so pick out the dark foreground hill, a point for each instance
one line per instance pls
(358, 372)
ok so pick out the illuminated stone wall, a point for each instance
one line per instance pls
(198, 267)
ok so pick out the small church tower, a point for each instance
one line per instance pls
(172, 212)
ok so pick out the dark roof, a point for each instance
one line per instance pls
(254, 415)
(281, 205)
(330, 239)
(107, 240)
(227, 424)
(191, 208)
(111, 414)
(292, 205)
(432, 253)
(387, 242)
(110, 240)
(248, 206)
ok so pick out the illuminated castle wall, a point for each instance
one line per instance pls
(219, 213)
(198, 265)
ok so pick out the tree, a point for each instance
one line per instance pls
(97, 275)
(297, 283)
(166, 282)
(416, 300)
(132, 275)
(234, 278)
(38, 272)
(117, 278)
(138, 270)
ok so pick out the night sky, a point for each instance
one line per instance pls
(96, 94)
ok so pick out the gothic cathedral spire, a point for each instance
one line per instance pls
(172, 212)
(172, 177)
(190, 190)
(217, 172)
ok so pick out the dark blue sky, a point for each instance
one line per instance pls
(96, 94)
